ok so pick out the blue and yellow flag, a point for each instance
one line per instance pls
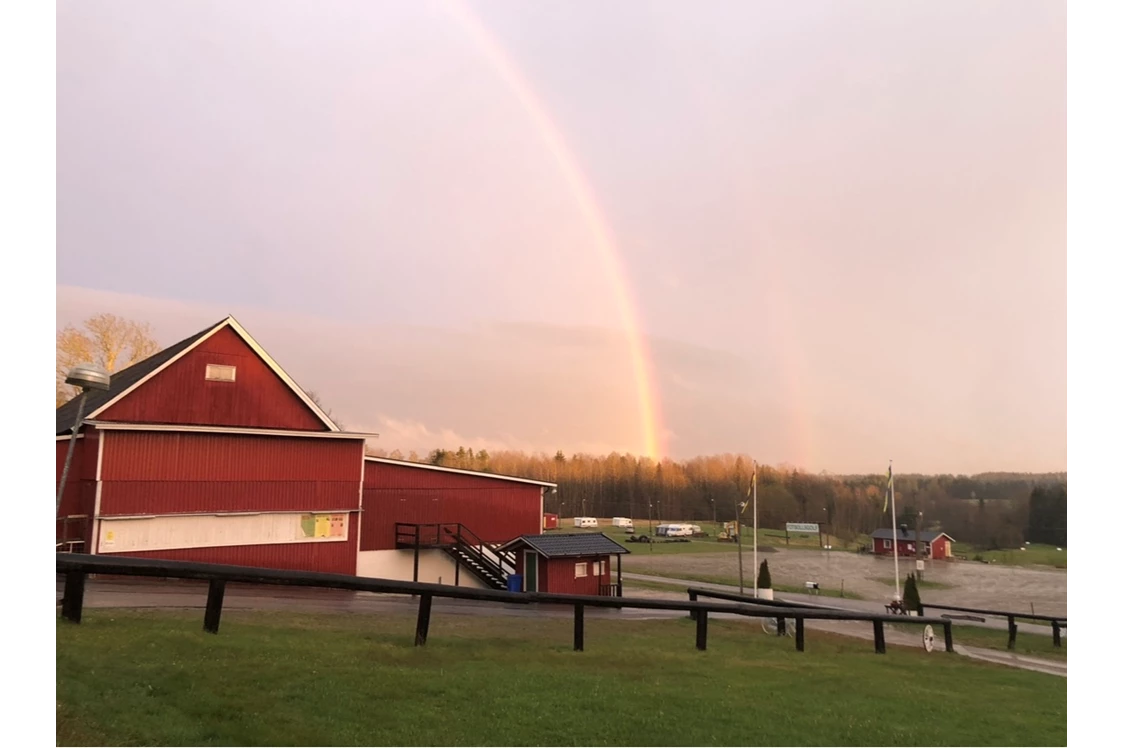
(888, 488)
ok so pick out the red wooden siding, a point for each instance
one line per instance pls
(496, 510)
(167, 473)
(81, 487)
(181, 394)
(560, 576)
(335, 558)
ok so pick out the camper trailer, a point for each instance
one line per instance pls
(584, 521)
(674, 531)
(624, 522)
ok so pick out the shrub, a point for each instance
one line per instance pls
(912, 594)
(764, 579)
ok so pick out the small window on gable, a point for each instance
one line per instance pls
(220, 373)
(582, 570)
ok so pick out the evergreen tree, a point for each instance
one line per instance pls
(764, 579)
(912, 594)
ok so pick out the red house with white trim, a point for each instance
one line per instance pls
(935, 545)
(208, 451)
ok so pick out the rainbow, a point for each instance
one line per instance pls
(603, 240)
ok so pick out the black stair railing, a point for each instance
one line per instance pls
(485, 559)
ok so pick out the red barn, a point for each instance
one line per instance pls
(577, 563)
(936, 545)
(209, 451)
(430, 523)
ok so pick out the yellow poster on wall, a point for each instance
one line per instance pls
(323, 525)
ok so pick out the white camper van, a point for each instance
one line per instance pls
(584, 521)
(674, 531)
(624, 522)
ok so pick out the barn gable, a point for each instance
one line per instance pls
(218, 377)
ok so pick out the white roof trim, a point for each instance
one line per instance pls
(66, 437)
(170, 427)
(461, 471)
(253, 344)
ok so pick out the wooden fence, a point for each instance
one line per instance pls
(76, 567)
(1057, 622)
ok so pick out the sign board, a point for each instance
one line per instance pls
(919, 565)
(803, 527)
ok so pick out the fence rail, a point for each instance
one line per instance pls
(800, 612)
(76, 567)
(1057, 622)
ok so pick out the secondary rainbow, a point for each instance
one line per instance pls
(582, 191)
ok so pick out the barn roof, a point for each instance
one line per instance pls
(908, 535)
(569, 544)
(123, 382)
(461, 471)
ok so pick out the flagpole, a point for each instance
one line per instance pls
(740, 558)
(756, 569)
(893, 504)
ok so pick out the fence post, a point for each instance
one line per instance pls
(423, 612)
(1056, 633)
(947, 637)
(799, 634)
(879, 636)
(703, 617)
(693, 599)
(1013, 627)
(781, 626)
(215, 593)
(579, 627)
(72, 596)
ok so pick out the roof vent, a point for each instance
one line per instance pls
(220, 373)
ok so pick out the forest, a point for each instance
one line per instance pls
(989, 510)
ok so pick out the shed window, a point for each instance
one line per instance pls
(220, 373)
(582, 570)
(596, 569)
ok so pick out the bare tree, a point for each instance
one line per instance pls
(109, 341)
(314, 397)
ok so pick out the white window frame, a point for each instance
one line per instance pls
(581, 570)
(596, 569)
(223, 368)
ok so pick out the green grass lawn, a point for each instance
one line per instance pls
(1045, 555)
(154, 678)
(924, 584)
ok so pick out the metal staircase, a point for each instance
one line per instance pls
(466, 548)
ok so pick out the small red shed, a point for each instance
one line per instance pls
(934, 545)
(577, 563)
(549, 521)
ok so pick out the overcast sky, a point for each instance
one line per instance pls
(841, 225)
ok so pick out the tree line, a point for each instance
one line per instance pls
(989, 510)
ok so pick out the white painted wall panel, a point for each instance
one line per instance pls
(433, 566)
(214, 530)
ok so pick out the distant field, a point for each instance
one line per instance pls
(1033, 554)
(766, 537)
(147, 678)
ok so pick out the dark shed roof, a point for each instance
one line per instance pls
(119, 382)
(570, 544)
(909, 535)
